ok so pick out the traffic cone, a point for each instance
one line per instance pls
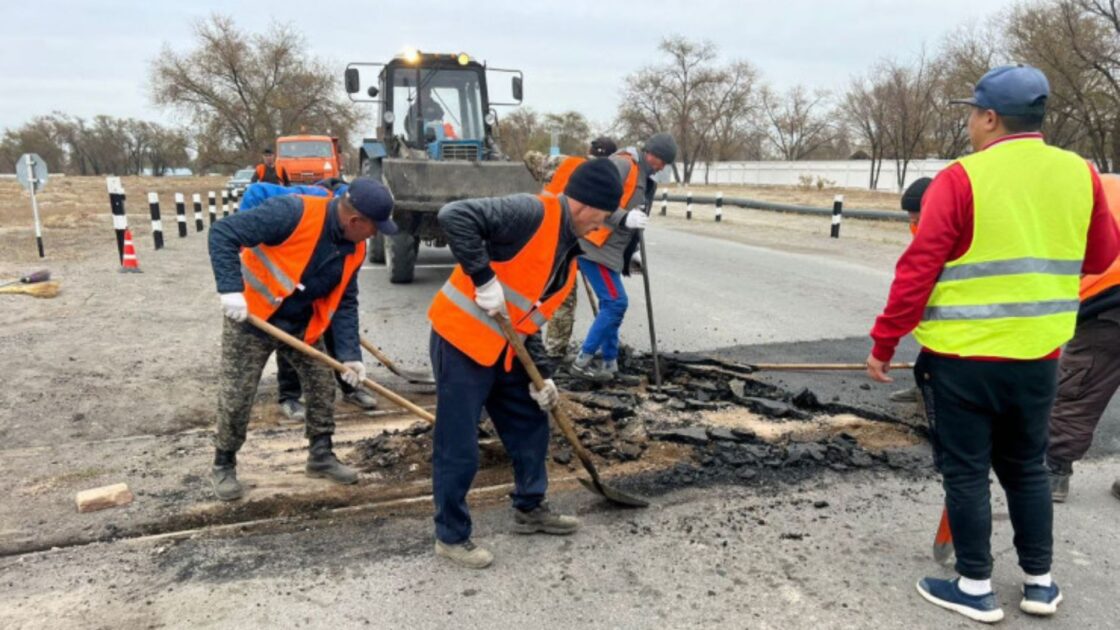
(129, 263)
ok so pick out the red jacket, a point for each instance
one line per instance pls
(945, 234)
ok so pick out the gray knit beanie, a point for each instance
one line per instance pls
(663, 146)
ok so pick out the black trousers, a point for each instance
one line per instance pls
(288, 380)
(992, 415)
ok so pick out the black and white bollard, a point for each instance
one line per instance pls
(116, 206)
(196, 200)
(157, 224)
(837, 215)
(688, 206)
(719, 207)
(225, 203)
(212, 200)
(664, 202)
(181, 214)
(235, 200)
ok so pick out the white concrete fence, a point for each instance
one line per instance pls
(836, 173)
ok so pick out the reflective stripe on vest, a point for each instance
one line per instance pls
(268, 270)
(599, 235)
(1013, 294)
(458, 319)
(1093, 284)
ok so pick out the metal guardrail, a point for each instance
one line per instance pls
(754, 204)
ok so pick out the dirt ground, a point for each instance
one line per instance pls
(116, 377)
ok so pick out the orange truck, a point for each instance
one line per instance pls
(309, 159)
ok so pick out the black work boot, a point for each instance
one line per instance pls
(224, 476)
(1059, 481)
(322, 463)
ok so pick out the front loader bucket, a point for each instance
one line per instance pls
(428, 184)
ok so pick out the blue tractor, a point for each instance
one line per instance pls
(435, 143)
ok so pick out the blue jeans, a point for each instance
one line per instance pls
(607, 284)
(463, 388)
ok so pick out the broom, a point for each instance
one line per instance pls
(39, 289)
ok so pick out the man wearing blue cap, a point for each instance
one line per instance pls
(292, 261)
(989, 286)
(287, 380)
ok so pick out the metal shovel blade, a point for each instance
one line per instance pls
(614, 496)
(943, 541)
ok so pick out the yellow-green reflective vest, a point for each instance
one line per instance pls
(1014, 293)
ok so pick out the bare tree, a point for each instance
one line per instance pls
(573, 130)
(690, 96)
(965, 55)
(521, 131)
(249, 89)
(909, 93)
(797, 123)
(865, 111)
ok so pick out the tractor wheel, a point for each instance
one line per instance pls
(377, 249)
(402, 265)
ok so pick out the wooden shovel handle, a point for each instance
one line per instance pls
(820, 367)
(557, 410)
(323, 357)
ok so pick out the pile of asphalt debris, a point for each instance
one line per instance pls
(620, 422)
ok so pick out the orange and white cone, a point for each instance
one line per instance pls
(129, 263)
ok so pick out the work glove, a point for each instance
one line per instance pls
(637, 220)
(636, 263)
(354, 374)
(234, 306)
(547, 397)
(491, 298)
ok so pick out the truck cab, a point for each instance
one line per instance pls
(308, 158)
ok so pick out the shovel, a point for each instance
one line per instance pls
(590, 295)
(324, 358)
(416, 378)
(561, 418)
(38, 276)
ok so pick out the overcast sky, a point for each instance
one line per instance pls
(88, 58)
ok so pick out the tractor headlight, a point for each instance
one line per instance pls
(411, 55)
(464, 59)
(491, 118)
(388, 117)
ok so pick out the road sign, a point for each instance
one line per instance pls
(31, 170)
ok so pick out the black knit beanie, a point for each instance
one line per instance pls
(597, 184)
(912, 198)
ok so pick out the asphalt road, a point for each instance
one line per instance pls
(836, 551)
(751, 304)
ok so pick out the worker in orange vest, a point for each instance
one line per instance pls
(269, 172)
(560, 326)
(516, 259)
(293, 261)
(1089, 370)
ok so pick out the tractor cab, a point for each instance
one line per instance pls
(437, 109)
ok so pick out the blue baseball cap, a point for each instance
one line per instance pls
(1017, 90)
(374, 201)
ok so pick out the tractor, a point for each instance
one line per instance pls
(435, 143)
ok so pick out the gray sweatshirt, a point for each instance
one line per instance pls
(613, 253)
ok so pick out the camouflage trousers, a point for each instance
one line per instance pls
(244, 354)
(559, 331)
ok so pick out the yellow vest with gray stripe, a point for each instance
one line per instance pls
(1014, 293)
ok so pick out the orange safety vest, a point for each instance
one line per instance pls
(524, 278)
(1093, 284)
(272, 272)
(280, 172)
(599, 235)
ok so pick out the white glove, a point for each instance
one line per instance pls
(234, 306)
(636, 263)
(637, 220)
(356, 371)
(547, 397)
(490, 297)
